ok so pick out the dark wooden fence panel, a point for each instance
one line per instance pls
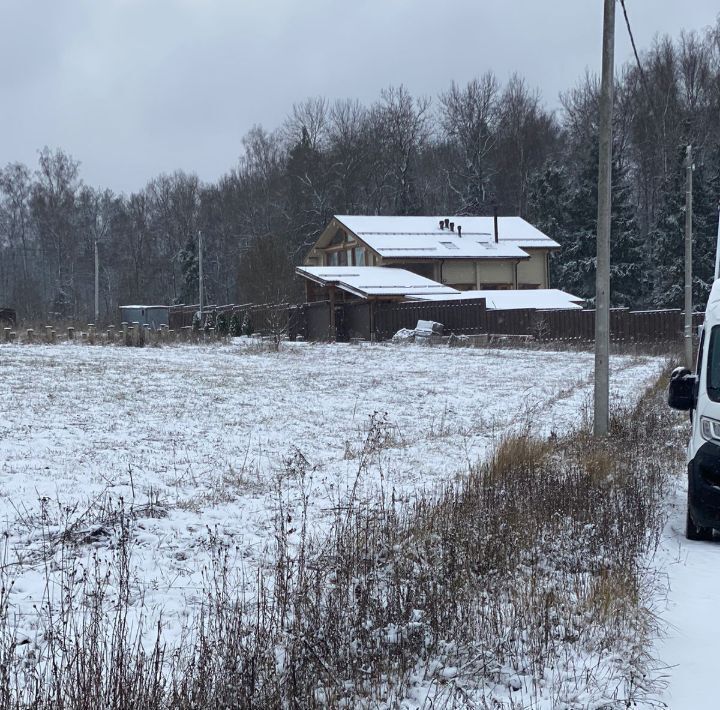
(657, 326)
(565, 325)
(511, 322)
(625, 325)
(176, 317)
(356, 321)
(468, 317)
(269, 319)
(317, 317)
(297, 322)
(620, 325)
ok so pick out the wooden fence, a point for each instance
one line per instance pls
(579, 325)
(265, 319)
(459, 317)
(381, 320)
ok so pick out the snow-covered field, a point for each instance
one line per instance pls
(199, 437)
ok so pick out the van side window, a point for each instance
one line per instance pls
(713, 365)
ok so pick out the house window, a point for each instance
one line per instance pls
(338, 238)
(359, 256)
(332, 258)
(342, 258)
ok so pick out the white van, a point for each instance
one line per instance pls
(699, 394)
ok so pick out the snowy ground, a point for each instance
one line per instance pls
(691, 615)
(202, 433)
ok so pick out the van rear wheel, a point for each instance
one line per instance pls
(695, 532)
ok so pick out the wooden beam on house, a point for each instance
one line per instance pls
(333, 329)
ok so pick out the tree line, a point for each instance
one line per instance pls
(473, 147)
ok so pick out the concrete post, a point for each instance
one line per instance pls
(601, 421)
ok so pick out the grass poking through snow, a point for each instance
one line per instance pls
(524, 584)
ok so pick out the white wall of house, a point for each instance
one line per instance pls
(459, 273)
(533, 270)
(495, 272)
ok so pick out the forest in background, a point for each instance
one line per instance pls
(471, 148)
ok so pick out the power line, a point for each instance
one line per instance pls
(641, 71)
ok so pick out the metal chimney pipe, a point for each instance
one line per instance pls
(495, 220)
(459, 231)
(452, 226)
(447, 223)
(442, 225)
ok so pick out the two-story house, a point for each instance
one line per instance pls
(465, 253)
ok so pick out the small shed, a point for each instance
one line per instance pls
(154, 316)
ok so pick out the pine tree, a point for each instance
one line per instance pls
(576, 261)
(190, 271)
(566, 209)
(627, 288)
(668, 236)
(548, 210)
(706, 192)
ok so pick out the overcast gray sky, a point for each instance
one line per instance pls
(133, 88)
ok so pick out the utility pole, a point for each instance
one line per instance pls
(99, 231)
(97, 284)
(200, 271)
(688, 259)
(602, 279)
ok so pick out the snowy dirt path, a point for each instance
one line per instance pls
(689, 648)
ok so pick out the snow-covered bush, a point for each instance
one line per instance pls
(222, 324)
(247, 326)
(235, 325)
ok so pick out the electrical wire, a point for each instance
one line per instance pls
(641, 71)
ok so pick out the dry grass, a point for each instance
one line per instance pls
(522, 580)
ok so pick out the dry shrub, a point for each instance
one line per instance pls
(518, 453)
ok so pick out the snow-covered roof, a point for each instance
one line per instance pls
(541, 299)
(367, 281)
(422, 237)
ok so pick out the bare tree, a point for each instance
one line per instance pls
(525, 136)
(15, 192)
(311, 118)
(53, 209)
(468, 117)
(401, 128)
